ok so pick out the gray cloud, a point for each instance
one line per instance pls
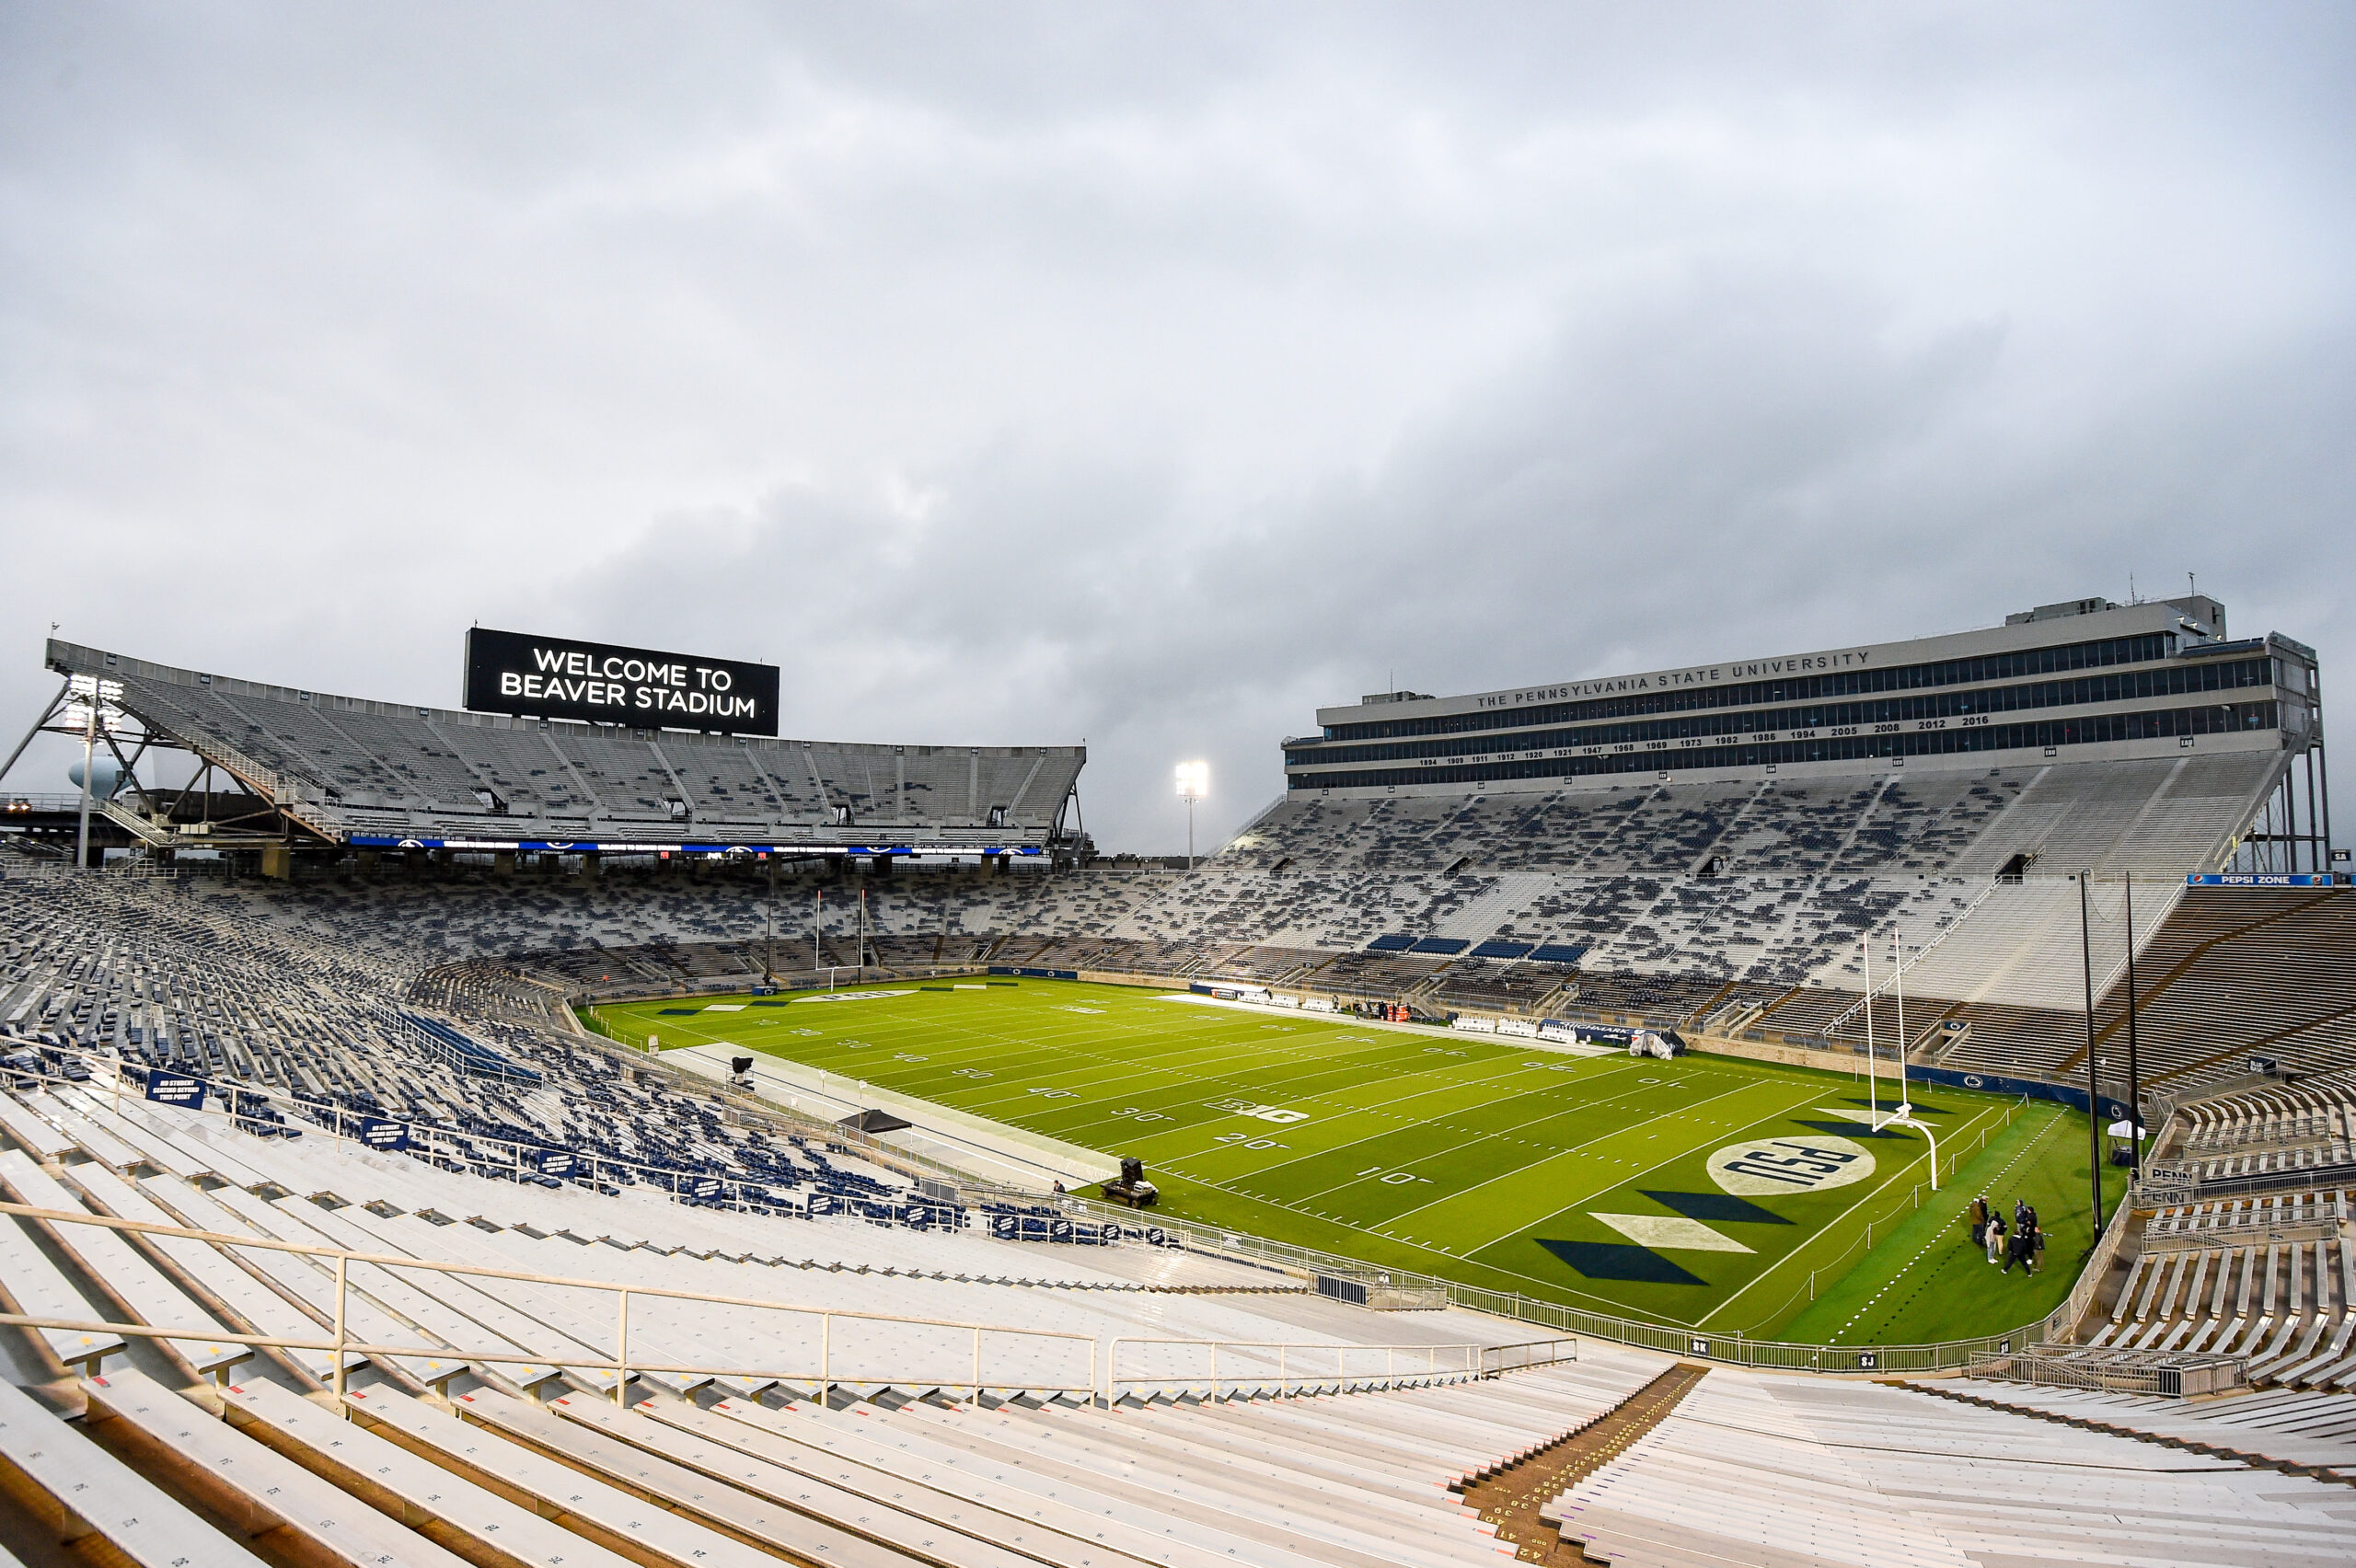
(1036, 372)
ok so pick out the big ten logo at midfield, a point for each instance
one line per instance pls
(1790, 1165)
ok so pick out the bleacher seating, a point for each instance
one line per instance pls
(1776, 1472)
(345, 766)
(2264, 1277)
(309, 1005)
(443, 1455)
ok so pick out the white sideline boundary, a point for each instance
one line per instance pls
(982, 1147)
(1426, 1031)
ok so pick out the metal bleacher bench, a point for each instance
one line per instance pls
(109, 1258)
(365, 1463)
(234, 1291)
(238, 1469)
(90, 1491)
(40, 1289)
(647, 1530)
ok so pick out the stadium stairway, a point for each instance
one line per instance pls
(1512, 1495)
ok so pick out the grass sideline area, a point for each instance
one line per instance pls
(1728, 1196)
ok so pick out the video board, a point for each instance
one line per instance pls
(601, 683)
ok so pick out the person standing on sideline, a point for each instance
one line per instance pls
(1978, 1214)
(1996, 1236)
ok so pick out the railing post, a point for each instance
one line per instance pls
(1214, 1368)
(977, 1367)
(621, 1347)
(1280, 1365)
(342, 1408)
(825, 1357)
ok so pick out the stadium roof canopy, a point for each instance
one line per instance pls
(350, 771)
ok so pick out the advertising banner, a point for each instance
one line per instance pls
(599, 683)
(2261, 879)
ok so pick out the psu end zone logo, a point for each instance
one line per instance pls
(1790, 1165)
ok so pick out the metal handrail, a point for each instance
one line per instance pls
(1390, 1376)
(621, 1364)
(1493, 1357)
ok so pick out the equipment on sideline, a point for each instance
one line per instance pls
(1133, 1189)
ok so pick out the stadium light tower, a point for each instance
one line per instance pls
(1193, 783)
(91, 710)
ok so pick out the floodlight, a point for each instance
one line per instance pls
(1193, 783)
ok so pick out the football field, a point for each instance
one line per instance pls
(1713, 1191)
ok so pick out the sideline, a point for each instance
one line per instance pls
(991, 1150)
(1427, 1030)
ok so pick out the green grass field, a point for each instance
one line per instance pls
(1713, 1191)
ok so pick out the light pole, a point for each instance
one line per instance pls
(2134, 1078)
(1193, 783)
(769, 927)
(2094, 1089)
(93, 709)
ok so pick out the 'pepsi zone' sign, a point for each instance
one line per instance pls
(601, 683)
(2263, 879)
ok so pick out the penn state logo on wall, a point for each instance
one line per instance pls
(1812, 1163)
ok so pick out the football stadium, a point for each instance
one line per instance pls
(1691, 1116)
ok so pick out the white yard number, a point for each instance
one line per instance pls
(1394, 1179)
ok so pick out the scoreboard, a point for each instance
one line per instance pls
(600, 683)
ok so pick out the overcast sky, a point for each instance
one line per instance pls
(1152, 375)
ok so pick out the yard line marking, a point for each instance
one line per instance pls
(1741, 1089)
(1434, 1121)
(1400, 1125)
(1377, 1109)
